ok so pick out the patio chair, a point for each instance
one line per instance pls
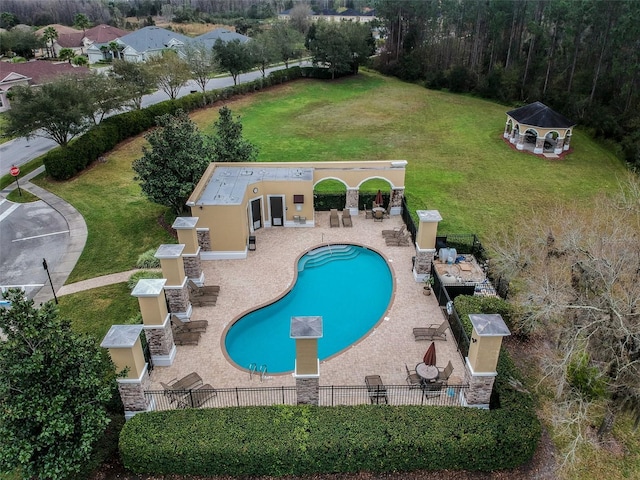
(368, 213)
(376, 389)
(396, 232)
(430, 332)
(444, 373)
(413, 379)
(346, 218)
(192, 326)
(176, 389)
(378, 215)
(400, 241)
(186, 338)
(432, 389)
(204, 296)
(334, 221)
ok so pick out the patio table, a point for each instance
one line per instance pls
(428, 373)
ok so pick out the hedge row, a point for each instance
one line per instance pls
(63, 163)
(286, 440)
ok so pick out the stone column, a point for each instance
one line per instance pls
(353, 198)
(539, 148)
(306, 331)
(204, 239)
(125, 349)
(176, 289)
(480, 365)
(567, 141)
(156, 320)
(520, 144)
(506, 130)
(187, 235)
(395, 202)
(425, 243)
(559, 144)
(512, 137)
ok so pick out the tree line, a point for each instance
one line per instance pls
(580, 57)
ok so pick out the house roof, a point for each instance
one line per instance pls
(152, 38)
(37, 71)
(61, 29)
(223, 34)
(538, 114)
(70, 40)
(104, 33)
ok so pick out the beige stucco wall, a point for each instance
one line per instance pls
(483, 353)
(132, 358)
(189, 238)
(307, 356)
(542, 132)
(426, 237)
(173, 270)
(153, 309)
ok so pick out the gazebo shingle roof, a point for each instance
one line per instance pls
(539, 115)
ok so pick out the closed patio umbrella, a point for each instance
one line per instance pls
(379, 199)
(430, 356)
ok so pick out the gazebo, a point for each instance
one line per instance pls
(538, 126)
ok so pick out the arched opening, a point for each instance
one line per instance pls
(530, 137)
(369, 190)
(329, 193)
(550, 141)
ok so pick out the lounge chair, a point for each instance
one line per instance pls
(413, 379)
(204, 296)
(431, 332)
(444, 373)
(186, 338)
(200, 395)
(400, 241)
(396, 232)
(376, 389)
(334, 221)
(192, 326)
(346, 218)
(176, 390)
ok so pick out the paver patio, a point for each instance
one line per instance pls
(269, 272)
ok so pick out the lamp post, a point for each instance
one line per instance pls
(46, 268)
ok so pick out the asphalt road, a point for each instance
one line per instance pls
(29, 233)
(21, 150)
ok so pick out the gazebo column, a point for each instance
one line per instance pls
(176, 289)
(156, 320)
(559, 143)
(507, 132)
(125, 349)
(520, 141)
(395, 202)
(188, 236)
(425, 243)
(480, 365)
(353, 198)
(539, 148)
(513, 136)
(567, 141)
(306, 331)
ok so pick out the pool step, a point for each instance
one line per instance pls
(324, 255)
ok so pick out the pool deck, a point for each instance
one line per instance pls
(269, 271)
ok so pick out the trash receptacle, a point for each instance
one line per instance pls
(252, 242)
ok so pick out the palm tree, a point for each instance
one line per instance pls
(115, 47)
(49, 35)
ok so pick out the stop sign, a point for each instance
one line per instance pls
(14, 171)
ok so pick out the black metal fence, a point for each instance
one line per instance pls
(329, 396)
(442, 292)
(408, 220)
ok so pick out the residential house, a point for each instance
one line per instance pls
(336, 16)
(36, 72)
(79, 41)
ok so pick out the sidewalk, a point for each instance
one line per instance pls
(77, 233)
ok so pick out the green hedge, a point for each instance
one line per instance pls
(285, 440)
(63, 163)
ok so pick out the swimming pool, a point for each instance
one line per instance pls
(348, 285)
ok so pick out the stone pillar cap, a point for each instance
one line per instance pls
(429, 215)
(489, 325)
(149, 287)
(306, 327)
(121, 336)
(184, 223)
(170, 250)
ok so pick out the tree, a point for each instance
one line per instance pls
(233, 56)
(135, 80)
(54, 388)
(262, 52)
(330, 47)
(105, 95)
(201, 61)
(360, 42)
(300, 18)
(49, 35)
(8, 20)
(170, 71)
(66, 54)
(20, 42)
(174, 162)
(60, 110)
(228, 144)
(82, 22)
(576, 283)
(80, 60)
(286, 41)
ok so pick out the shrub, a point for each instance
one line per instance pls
(133, 279)
(148, 260)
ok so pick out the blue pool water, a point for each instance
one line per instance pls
(349, 286)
